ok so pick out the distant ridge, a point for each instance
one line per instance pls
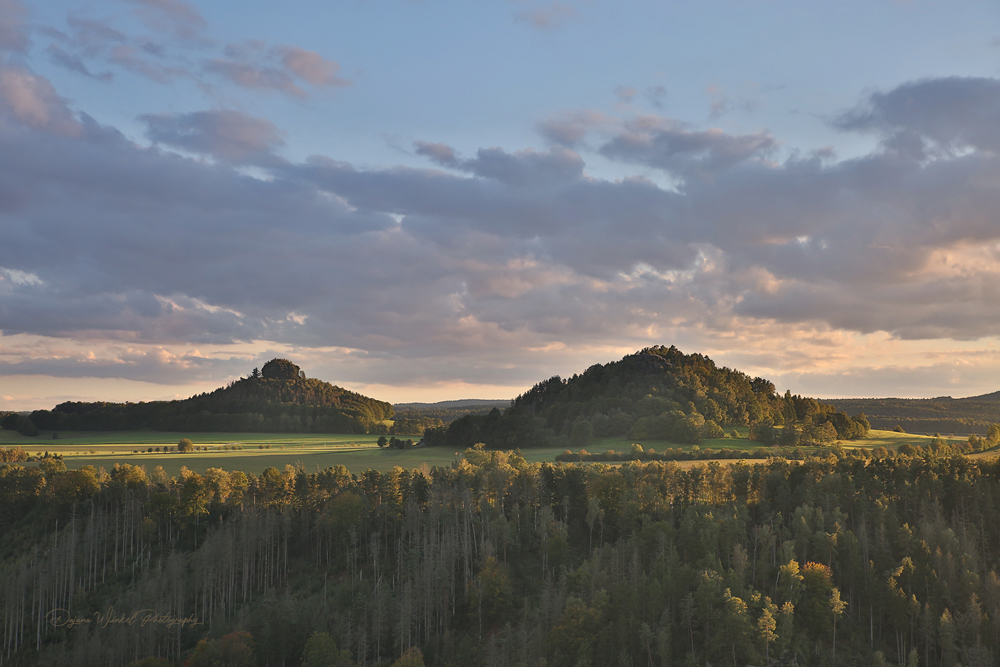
(461, 403)
(942, 414)
(449, 411)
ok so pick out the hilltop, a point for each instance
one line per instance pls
(277, 398)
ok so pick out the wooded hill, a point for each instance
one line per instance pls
(658, 393)
(278, 398)
(927, 415)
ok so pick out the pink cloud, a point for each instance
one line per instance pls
(33, 101)
(311, 66)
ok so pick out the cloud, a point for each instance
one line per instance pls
(13, 33)
(89, 42)
(953, 113)
(511, 263)
(179, 18)
(671, 146)
(249, 75)
(252, 65)
(310, 66)
(33, 101)
(570, 129)
(527, 168)
(143, 363)
(546, 18)
(442, 154)
(136, 60)
(93, 36)
(625, 94)
(655, 95)
(222, 133)
(184, 54)
(75, 64)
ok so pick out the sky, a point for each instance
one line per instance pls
(425, 200)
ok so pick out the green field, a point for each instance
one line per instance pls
(320, 451)
(258, 450)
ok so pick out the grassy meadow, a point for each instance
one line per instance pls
(253, 452)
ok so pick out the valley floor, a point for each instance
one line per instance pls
(318, 451)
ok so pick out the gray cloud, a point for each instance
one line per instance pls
(954, 113)
(527, 168)
(222, 133)
(669, 145)
(75, 64)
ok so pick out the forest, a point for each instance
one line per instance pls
(851, 558)
(277, 398)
